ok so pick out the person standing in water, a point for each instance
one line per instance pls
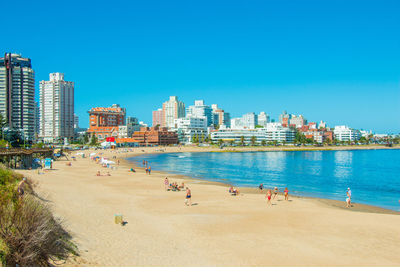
(188, 197)
(268, 196)
(286, 191)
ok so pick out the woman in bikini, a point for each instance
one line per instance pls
(268, 196)
(286, 193)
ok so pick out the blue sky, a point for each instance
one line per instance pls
(333, 60)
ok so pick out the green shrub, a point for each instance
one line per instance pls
(29, 234)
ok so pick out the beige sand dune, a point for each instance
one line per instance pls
(220, 230)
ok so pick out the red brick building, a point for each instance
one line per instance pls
(104, 122)
(155, 136)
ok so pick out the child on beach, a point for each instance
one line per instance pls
(286, 191)
(166, 183)
(268, 196)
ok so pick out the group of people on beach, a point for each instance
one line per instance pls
(147, 167)
(173, 186)
(272, 194)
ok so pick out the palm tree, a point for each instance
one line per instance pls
(263, 142)
(242, 140)
(253, 140)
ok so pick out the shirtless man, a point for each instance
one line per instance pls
(188, 197)
(275, 192)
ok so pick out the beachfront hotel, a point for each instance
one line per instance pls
(56, 109)
(172, 109)
(104, 122)
(17, 94)
(344, 133)
(189, 127)
(273, 132)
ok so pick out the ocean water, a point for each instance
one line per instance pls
(372, 175)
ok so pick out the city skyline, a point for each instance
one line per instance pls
(345, 70)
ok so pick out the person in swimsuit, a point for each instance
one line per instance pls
(149, 170)
(188, 197)
(348, 199)
(268, 196)
(261, 187)
(166, 183)
(275, 192)
(286, 191)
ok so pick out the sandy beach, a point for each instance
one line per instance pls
(218, 230)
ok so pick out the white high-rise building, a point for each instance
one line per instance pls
(172, 109)
(263, 119)
(17, 94)
(299, 121)
(200, 110)
(247, 121)
(56, 108)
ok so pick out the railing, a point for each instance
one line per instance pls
(23, 151)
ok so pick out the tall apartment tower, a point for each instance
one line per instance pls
(200, 110)
(56, 108)
(17, 94)
(172, 109)
(158, 117)
(220, 117)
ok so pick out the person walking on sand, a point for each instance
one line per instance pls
(268, 196)
(286, 191)
(348, 199)
(261, 187)
(188, 200)
(149, 170)
(166, 183)
(275, 192)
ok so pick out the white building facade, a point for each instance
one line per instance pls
(172, 109)
(247, 121)
(263, 119)
(200, 110)
(273, 132)
(56, 108)
(189, 127)
(344, 133)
